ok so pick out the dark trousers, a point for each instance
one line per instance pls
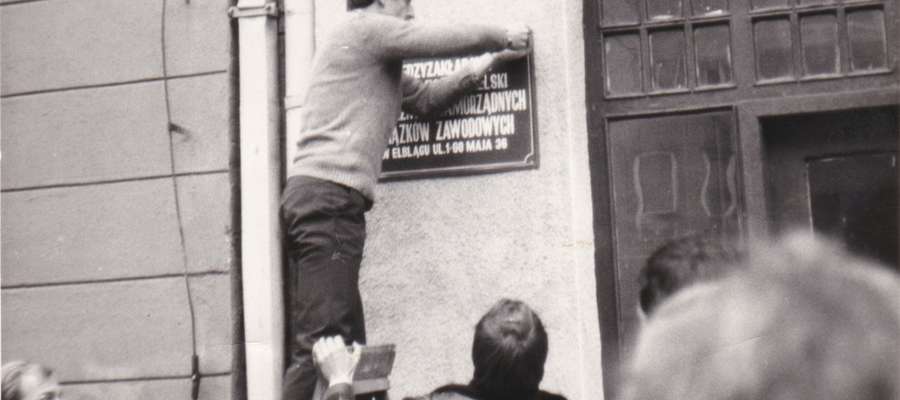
(325, 230)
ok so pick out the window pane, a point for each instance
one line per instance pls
(619, 12)
(757, 4)
(773, 48)
(818, 37)
(623, 63)
(867, 39)
(670, 176)
(710, 7)
(713, 51)
(667, 59)
(807, 2)
(661, 10)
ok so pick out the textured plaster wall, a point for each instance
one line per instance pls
(95, 198)
(441, 251)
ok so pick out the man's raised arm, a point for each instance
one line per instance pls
(397, 39)
(431, 97)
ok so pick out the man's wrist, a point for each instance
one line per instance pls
(337, 380)
(342, 391)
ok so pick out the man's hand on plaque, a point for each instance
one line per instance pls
(518, 37)
(483, 63)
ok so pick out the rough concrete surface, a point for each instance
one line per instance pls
(206, 208)
(212, 306)
(90, 232)
(65, 43)
(101, 331)
(118, 230)
(198, 36)
(90, 218)
(200, 108)
(84, 135)
(441, 251)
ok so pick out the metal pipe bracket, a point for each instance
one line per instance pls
(269, 9)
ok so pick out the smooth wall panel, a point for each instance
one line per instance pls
(101, 331)
(66, 43)
(212, 307)
(211, 388)
(90, 232)
(437, 248)
(201, 109)
(206, 207)
(198, 36)
(84, 135)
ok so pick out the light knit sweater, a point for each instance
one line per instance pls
(358, 87)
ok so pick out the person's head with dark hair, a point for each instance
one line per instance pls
(29, 381)
(354, 4)
(682, 262)
(509, 351)
(801, 321)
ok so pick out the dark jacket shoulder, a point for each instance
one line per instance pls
(542, 395)
(463, 392)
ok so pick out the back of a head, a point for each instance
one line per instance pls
(354, 4)
(14, 372)
(509, 351)
(797, 324)
(682, 262)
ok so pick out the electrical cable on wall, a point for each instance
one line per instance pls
(173, 129)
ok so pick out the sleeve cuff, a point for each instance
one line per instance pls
(340, 391)
(470, 82)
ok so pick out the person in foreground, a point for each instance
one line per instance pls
(29, 381)
(508, 352)
(356, 93)
(802, 321)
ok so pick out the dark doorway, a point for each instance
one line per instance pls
(836, 173)
(853, 199)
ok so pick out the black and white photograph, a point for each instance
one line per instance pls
(449, 200)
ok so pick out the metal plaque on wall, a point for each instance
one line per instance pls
(490, 129)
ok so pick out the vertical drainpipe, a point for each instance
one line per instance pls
(261, 159)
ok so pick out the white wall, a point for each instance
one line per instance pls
(441, 251)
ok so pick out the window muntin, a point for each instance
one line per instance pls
(831, 38)
(675, 44)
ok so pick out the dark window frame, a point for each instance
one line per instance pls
(686, 23)
(795, 12)
(750, 100)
